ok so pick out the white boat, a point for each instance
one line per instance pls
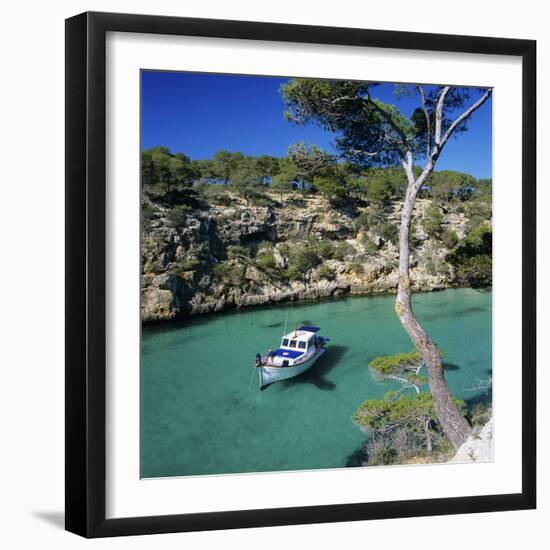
(298, 351)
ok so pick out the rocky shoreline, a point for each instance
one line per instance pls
(236, 256)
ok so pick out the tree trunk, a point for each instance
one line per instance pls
(453, 423)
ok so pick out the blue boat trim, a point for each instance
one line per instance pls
(288, 353)
(308, 328)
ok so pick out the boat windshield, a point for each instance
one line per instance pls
(285, 341)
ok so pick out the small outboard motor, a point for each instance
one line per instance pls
(258, 360)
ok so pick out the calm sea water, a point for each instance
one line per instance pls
(203, 413)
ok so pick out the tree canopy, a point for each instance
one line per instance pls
(370, 132)
(305, 169)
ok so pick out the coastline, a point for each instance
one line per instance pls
(240, 256)
(185, 319)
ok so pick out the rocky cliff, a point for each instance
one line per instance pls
(478, 447)
(236, 255)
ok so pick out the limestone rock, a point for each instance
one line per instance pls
(186, 270)
(478, 448)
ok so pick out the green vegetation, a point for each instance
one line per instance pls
(448, 186)
(191, 264)
(392, 364)
(362, 221)
(326, 272)
(174, 179)
(401, 367)
(301, 259)
(178, 189)
(215, 194)
(432, 220)
(230, 272)
(472, 259)
(148, 212)
(388, 231)
(480, 414)
(376, 147)
(402, 427)
(178, 214)
(237, 251)
(449, 238)
(266, 261)
(474, 222)
(325, 249)
(181, 187)
(341, 250)
(370, 245)
(168, 178)
(357, 268)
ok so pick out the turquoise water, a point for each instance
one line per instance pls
(203, 413)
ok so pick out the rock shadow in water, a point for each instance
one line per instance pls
(357, 459)
(274, 325)
(316, 375)
(453, 314)
(450, 366)
(485, 398)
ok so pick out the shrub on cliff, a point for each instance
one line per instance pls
(237, 251)
(341, 250)
(449, 238)
(229, 272)
(357, 268)
(370, 245)
(325, 249)
(191, 264)
(148, 213)
(476, 271)
(300, 261)
(394, 416)
(362, 221)
(481, 208)
(266, 261)
(177, 216)
(474, 222)
(472, 259)
(326, 272)
(480, 414)
(216, 194)
(432, 220)
(388, 231)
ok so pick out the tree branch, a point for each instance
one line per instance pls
(427, 117)
(439, 117)
(407, 164)
(389, 119)
(465, 115)
(361, 152)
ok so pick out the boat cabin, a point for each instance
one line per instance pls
(294, 345)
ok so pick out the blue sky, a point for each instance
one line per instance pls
(198, 114)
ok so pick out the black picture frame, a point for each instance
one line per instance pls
(86, 275)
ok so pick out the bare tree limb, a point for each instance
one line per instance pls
(361, 152)
(427, 117)
(439, 117)
(464, 116)
(481, 384)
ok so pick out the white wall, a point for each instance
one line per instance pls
(31, 273)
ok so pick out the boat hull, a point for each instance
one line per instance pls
(268, 375)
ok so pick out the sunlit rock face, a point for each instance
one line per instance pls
(191, 269)
(478, 447)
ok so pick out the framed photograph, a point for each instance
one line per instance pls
(300, 276)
